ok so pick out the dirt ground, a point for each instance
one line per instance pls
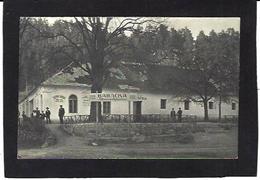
(206, 145)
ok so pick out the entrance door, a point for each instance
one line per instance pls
(137, 110)
(93, 114)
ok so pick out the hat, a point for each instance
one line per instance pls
(47, 108)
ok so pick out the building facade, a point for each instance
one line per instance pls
(76, 100)
(118, 97)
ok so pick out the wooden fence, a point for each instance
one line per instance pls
(144, 118)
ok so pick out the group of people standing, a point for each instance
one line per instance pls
(39, 115)
(179, 115)
(46, 115)
(43, 115)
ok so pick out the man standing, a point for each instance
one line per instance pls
(179, 114)
(42, 116)
(37, 113)
(24, 116)
(61, 114)
(173, 114)
(48, 114)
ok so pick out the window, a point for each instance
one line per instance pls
(163, 103)
(106, 107)
(233, 106)
(186, 105)
(73, 104)
(211, 105)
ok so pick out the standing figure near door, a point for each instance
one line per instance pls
(179, 115)
(48, 114)
(37, 113)
(61, 114)
(173, 114)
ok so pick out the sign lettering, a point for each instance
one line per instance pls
(58, 98)
(115, 96)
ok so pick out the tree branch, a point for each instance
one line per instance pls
(83, 35)
(123, 26)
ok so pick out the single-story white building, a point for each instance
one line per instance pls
(64, 89)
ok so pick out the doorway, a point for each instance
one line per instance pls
(137, 110)
(95, 106)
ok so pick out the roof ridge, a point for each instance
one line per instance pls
(56, 74)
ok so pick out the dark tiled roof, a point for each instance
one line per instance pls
(156, 78)
(122, 75)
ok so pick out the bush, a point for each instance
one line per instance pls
(197, 129)
(32, 124)
(226, 126)
(185, 138)
(31, 132)
(183, 129)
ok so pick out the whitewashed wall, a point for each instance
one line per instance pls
(49, 101)
(38, 100)
(45, 97)
(153, 103)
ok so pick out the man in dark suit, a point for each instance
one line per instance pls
(37, 112)
(47, 115)
(61, 114)
(24, 116)
(173, 114)
(179, 115)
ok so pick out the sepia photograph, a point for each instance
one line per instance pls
(128, 88)
(138, 88)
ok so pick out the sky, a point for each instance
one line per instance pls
(205, 24)
(195, 24)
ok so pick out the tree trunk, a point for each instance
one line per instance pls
(26, 86)
(97, 83)
(93, 106)
(206, 115)
(97, 73)
(219, 108)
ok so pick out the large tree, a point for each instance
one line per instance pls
(196, 70)
(225, 49)
(33, 50)
(99, 44)
(211, 67)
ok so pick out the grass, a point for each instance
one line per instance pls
(205, 145)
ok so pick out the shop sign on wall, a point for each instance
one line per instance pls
(136, 97)
(108, 96)
(115, 96)
(59, 98)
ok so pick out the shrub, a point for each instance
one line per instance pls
(185, 138)
(183, 129)
(225, 126)
(32, 124)
(31, 132)
(197, 129)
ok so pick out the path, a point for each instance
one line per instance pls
(63, 138)
(73, 147)
(65, 143)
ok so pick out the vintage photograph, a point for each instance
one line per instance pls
(128, 88)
